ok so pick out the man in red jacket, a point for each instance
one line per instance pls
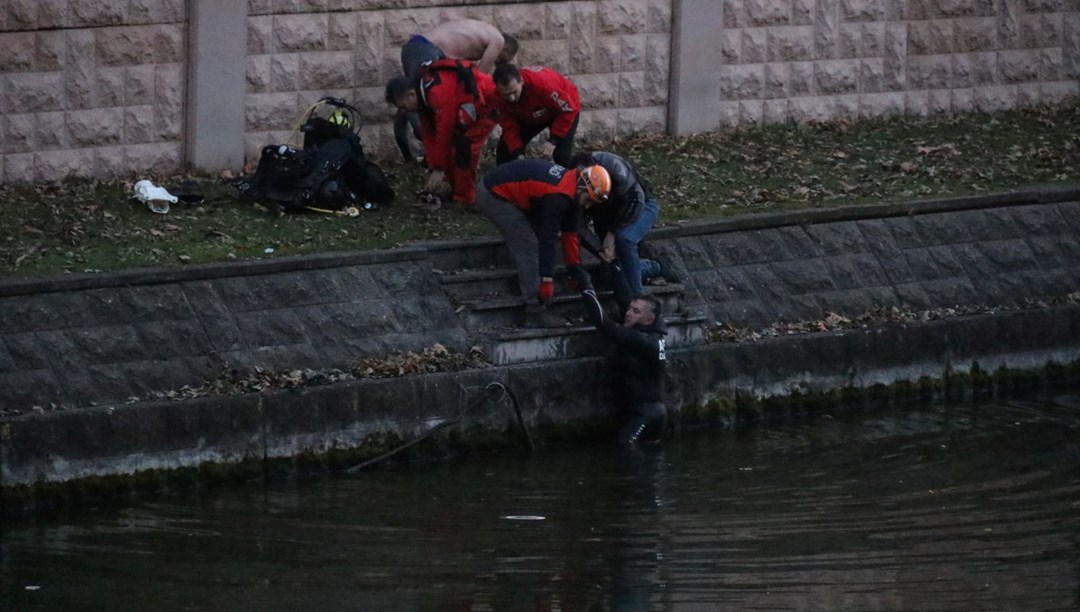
(469, 39)
(531, 201)
(454, 101)
(530, 100)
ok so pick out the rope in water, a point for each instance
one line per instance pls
(489, 394)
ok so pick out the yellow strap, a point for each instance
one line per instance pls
(296, 128)
(350, 211)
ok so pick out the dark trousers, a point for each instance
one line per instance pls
(564, 151)
(403, 122)
(417, 51)
(519, 236)
(642, 423)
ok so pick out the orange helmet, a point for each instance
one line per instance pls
(597, 182)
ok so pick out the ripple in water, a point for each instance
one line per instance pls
(954, 508)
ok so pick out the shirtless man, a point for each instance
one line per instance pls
(473, 40)
(469, 39)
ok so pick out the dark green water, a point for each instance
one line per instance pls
(957, 508)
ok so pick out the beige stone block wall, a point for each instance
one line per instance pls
(91, 89)
(616, 51)
(94, 88)
(812, 60)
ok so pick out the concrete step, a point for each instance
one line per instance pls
(477, 253)
(473, 285)
(485, 283)
(505, 311)
(578, 340)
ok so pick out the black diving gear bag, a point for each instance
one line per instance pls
(330, 172)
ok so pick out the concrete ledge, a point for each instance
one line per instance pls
(524, 345)
(164, 275)
(1043, 194)
(357, 418)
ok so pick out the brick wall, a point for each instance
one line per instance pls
(616, 51)
(90, 89)
(804, 60)
(98, 88)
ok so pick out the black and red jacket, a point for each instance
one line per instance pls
(547, 99)
(546, 192)
(453, 94)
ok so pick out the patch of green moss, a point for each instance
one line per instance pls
(805, 405)
(718, 411)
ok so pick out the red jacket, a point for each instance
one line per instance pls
(547, 99)
(445, 91)
(547, 193)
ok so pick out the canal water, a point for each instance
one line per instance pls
(951, 508)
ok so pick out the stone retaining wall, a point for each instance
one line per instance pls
(98, 338)
(978, 254)
(120, 338)
(94, 339)
(334, 426)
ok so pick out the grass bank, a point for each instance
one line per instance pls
(91, 226)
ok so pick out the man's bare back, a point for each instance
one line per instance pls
(469, 39)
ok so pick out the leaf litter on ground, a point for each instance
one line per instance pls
(76, 226)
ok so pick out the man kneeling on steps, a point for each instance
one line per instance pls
(639, 364)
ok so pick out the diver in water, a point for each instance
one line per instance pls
(639, 366)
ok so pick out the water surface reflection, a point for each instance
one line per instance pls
(973, 508)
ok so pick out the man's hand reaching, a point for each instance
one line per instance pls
(607, 251)
(548, 150)
(437, 183)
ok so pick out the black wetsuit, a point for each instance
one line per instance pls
(640, 362)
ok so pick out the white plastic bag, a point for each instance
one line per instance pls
(157, 199)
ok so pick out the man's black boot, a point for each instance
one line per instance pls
(667, 269)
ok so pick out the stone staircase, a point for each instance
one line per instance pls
(480, 281)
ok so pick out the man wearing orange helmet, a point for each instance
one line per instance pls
(531, 201)
(620, 223)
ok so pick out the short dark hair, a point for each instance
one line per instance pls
(504, 73)
(510, 44)
(654, 304)
(396, 89)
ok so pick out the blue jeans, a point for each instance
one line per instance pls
(626, 247)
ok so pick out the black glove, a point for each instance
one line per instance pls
(594, 312)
